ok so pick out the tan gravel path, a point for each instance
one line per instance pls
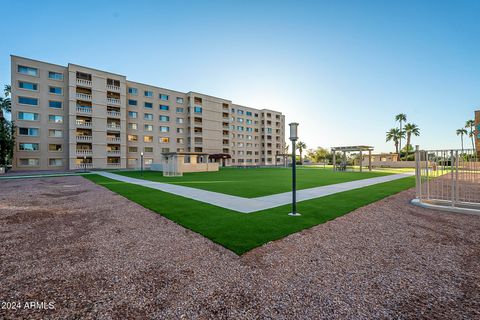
(97, 255)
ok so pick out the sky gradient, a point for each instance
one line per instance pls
(342, 69)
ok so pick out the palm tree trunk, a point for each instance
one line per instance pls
(409, 137)
(396, 147)
(461, 137)
(400, 141)
(301, 158)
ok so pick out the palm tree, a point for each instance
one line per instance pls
(470, 124)
(395, 135)
(401, 117)
(301, 146)
(411, 128)
(5, 103)
(461, 132)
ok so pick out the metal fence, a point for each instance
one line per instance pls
(448, 177)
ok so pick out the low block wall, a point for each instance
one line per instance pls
(391, 164)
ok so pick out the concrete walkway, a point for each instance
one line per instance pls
(248, 205)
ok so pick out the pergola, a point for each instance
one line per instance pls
(346, 149)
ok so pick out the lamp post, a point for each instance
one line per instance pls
(141, 164)
(294, 138)
(85, 164)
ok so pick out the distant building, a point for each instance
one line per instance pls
(382, 157)
(72, 117)
(477, 131)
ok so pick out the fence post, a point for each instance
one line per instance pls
(453, 178)
(457, 189)
(418, 178)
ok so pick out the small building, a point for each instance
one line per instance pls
(176, 163)
(382, 157)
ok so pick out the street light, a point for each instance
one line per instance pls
(141, 164)
(85, 164)
(294, 138)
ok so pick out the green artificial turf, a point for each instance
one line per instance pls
(255, 182)
(241, 232)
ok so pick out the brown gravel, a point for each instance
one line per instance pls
(97, 255)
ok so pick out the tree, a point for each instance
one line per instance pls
(318, 155)
(395, 135)
(6, 103)
(401, 117)
(461, 132)
(301, 146)
(411, 128)
(7, 129)
(470, 125)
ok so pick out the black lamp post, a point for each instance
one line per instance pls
(85, 164)
(294, 138)
(141, 164)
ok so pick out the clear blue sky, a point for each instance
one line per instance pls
(342, 69)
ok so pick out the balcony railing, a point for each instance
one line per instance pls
(84, 124)
(84, 96)
(110, 139)
(84, 138)
(113, 165)
(112, 87)
(114, 152)
(84, 110)
(113, 113)
(113, 126)
(84, 82)
(84, 151)
(84, 166)
(113, 100)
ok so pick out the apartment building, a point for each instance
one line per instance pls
(477, 132)
(72, 117)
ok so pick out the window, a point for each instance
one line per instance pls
(148, 94)
(164, 140)
(29, 101)
(55, 104)
(29, 162)
(55, 119)
(29, 71)
(148, 149)
(55, 147)
(163, 97)
(132, 137)
(132, 102)
(148, 127)
(239, 128)
(55, 133)
(180, 120)
(132, 149)
(148, 116)
(240, 111)
(249, 129)
(148, 161)
(197, 109)
(249, 113)
(147, 138)
(164, 129)
(28, 131)
(133, 91)
(179, 140)
(27, 85)
(164, 107)
(165, 150)
(27, 116)
(132, 126)
(55, 90)
(179, 130)
(249, 121)
(28, 146)
(132, 114)
(55, 162)
(240, 120)
(164, 118)
(179, 110)
(148, 105)
(55, 75)
(179, 100)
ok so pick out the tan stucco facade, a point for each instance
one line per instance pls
(71, 117)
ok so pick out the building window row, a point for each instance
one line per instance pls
(31, 71)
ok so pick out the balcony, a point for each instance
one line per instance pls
(113, 87)
(113, 114)
(113, 126)
(84, 152)
(84, 124)
(84, 166)
(114, 152)
(113, 165)
(113, 100)
(113, 139)
(84, 138)
(84, 110)
(84, 96)
(84, 82)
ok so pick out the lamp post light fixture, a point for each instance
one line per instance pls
(294, 138)
(141, 164)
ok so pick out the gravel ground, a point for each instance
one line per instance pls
(96, 255)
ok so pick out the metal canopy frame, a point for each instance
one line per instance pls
(346, 149)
